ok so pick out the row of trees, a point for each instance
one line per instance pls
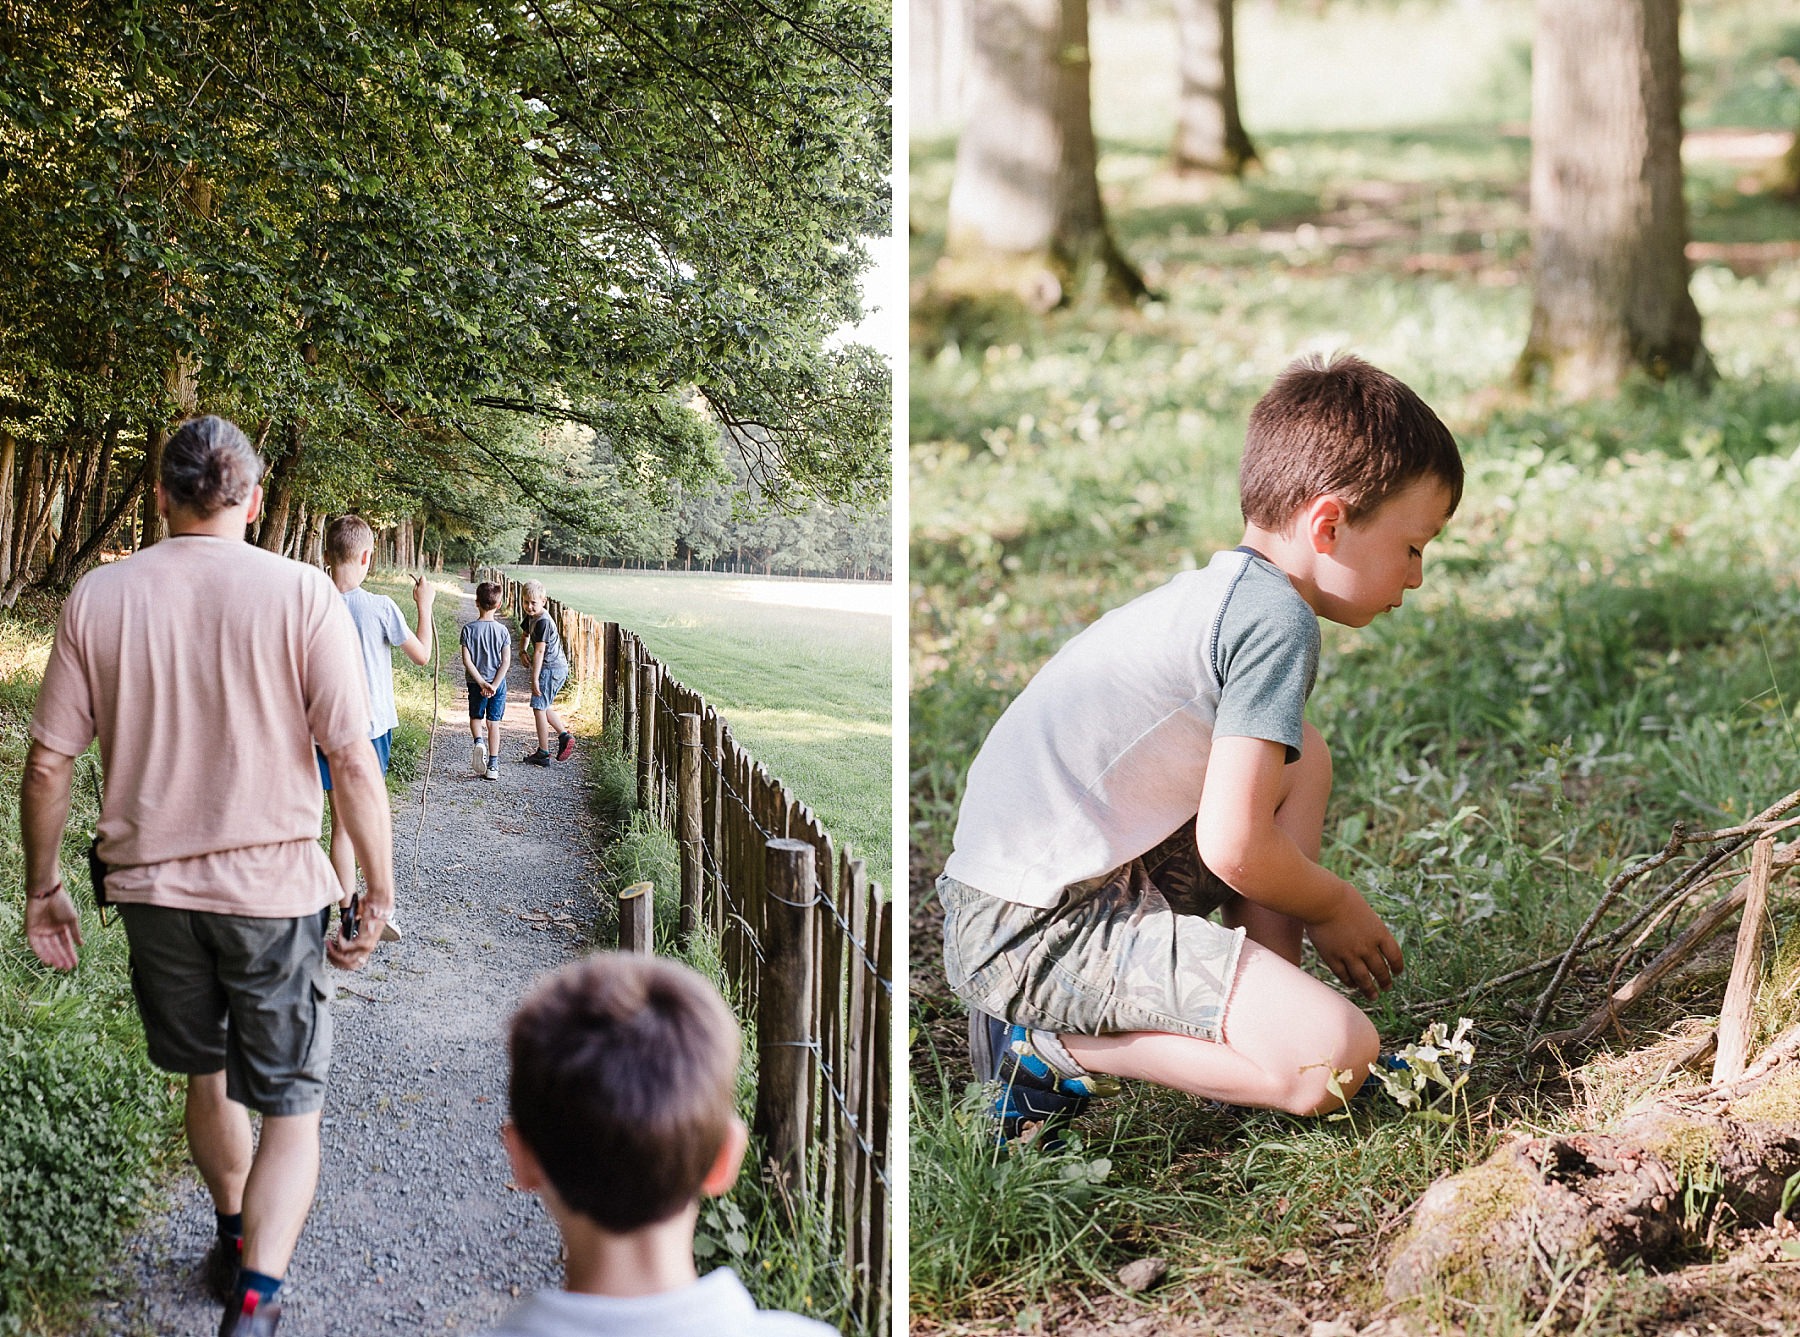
(1608, 216)
(448, 263)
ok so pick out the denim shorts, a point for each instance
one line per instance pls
(549, 682)
(235, 993)
(383, 745)
(1130, 951)
(487, 707)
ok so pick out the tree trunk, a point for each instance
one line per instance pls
(1025, 211)
(278, 495)
(149, 522)
(1608, 222)
(1209, 136)
(8, 451)
(1659, 1185)
(938, 40)
(37, 501)
(88, 469)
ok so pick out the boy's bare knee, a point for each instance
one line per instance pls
(1348, 1042)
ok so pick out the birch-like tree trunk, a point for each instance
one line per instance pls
(1209, 134)
(1025, 210)
(1608, 221)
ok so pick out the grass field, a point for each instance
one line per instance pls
(1606, 641)
(801, 670)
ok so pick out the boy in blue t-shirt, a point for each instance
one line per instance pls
(349, 545)
(543, 650)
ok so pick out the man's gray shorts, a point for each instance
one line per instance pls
(1131, 951)
(239, 994)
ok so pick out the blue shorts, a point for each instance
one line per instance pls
(487, 707)
(383, 745)
(549, 682)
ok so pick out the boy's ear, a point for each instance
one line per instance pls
(364, 557)
(726, 1164)
(527, 1172)
(1322, 521)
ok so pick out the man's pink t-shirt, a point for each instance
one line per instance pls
(206, 667)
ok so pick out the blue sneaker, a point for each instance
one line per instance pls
(1373, 1086)
(1020, 1100)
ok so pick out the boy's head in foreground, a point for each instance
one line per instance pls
(1347, 475)
(349, 544)
(487, 596)
(621, 1097)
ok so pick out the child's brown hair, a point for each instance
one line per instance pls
(487, 595)
(345, 537)
(1342, 428)
(623, 1071)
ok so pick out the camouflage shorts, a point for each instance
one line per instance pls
(1130, 951)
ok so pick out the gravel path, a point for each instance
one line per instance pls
(415, 1227)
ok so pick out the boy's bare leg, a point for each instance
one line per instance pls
(557, 723)
(542, 719)
(1281, 1027)
(493, 731)
(279, 1193)
(218, 1135)
(343, 854)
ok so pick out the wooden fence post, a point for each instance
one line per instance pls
(628, 693)
(784, 1008)
(1746, 969)
(609, 672)
(878, 1289)
(687, 813)
(646, 757)
(637, 917)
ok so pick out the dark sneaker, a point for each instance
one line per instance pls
(1021, 1064)
(538, 758)
(493, 768)
(1017, 1106)
(565, 744)
(253, 1320)
(219, 1273)
(1373, 1086)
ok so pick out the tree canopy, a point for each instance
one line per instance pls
(422, 238)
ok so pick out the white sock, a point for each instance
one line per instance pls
(1054, 1052)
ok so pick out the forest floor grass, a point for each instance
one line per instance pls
(1607, 642)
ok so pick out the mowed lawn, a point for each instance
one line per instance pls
(801, 670)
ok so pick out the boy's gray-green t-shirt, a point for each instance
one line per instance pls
(379, 628)
(1104, 753)
(487, 642)
(543, 628)
(717, 1305)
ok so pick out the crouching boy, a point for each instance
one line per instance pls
(1159, 769)
(623, 1068)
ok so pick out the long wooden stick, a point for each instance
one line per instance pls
(1709, 922)
(1746, 968)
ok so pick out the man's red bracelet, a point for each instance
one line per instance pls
(44, 895)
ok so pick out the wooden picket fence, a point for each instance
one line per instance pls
(803, 935)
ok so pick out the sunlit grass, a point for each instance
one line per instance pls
(1608, 639)
(801, 671)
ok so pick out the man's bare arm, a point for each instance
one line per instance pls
(52, 926)
(362, 808)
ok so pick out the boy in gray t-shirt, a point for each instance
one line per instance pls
(349, 548)
(486, 653)
(1159, 767)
